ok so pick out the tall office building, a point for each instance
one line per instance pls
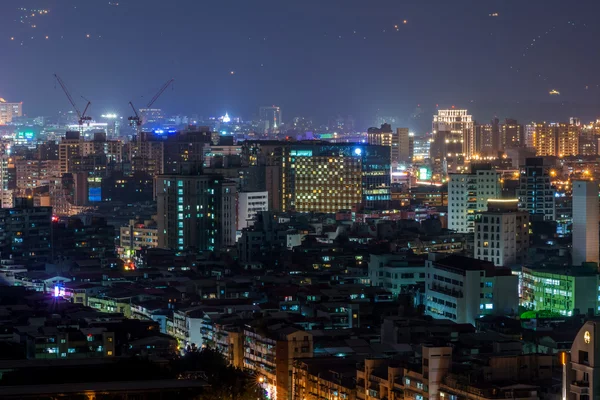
(544, 140)
(26, 233)
(556, 139)
(69, 147)
(484, 139)
(270, 117)
(454, 134)
(535, 191)
(502, 233)
(7, 175)
(567, 139)
(327, 177)
(512, 134)
(195, 211)
(585, 222)
(403, 146)
(8, 111)
(469, 194)
(400, 142)
(530, 135)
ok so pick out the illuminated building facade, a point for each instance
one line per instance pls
(8, 111)
(567, 139)
(69, 147)
(502, 233)
(469, 194)
(421, 147)
(270, 355)
(462, 289)
(454, 134)
(544, 140)
(27, 233)
(380, 136)
(34, 173)
(137, 235)
(195, 211)
(535, 191)
(512, 134)
(567, 291)
(249, 204)
(326, 177)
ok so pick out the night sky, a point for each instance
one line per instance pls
(311, 57)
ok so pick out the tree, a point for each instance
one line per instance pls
(226, 382)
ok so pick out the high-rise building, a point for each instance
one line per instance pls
(35, 173)
(530, 135)
(401, 143)
(6, 186)
(484, 139)
(8, 111)
(556, 139)
(502, 233)
(195, 211)
(535, 191)
(567, 139)
(469, 194)
(585, 222)
(403, 146)
(26, 233)
(512, 134)
(454, 134)
(421, 147)
(327, 177)
(544, 139)
(270, 117)
(69, 147)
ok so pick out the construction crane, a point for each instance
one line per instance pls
(136, 120)
(82, 117)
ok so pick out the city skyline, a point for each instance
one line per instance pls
(494, 59)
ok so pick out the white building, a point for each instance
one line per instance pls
(581, 366)
(502, 233)
(469, 194)
(585, 222)
(249, 204)
(462, 289)
(395, 273)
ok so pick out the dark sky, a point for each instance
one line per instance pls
(311, 57)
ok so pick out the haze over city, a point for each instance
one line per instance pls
(299, 200)
(313, 58)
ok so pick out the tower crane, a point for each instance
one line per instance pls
(136, 119)
(82, 117)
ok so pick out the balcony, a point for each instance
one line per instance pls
(580, 387)
(444, 290)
